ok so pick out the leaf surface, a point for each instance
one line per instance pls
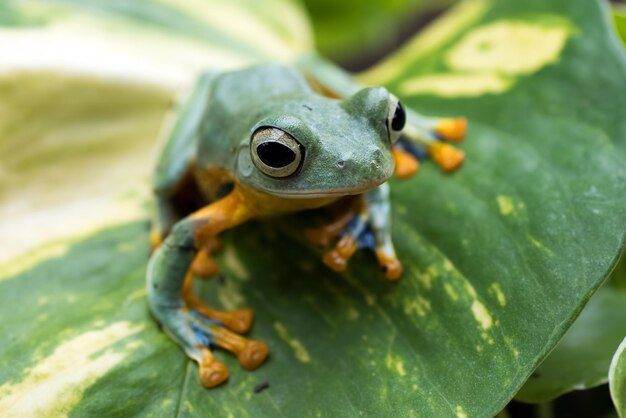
(499, 258)
(581, 359)
(617, 379)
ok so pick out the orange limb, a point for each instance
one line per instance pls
(203, 265)
(452, 129)
(250, 353)
(337, 258)
(446, 156)
(226, 213)
(239, 321)
(406, 164)
(391, 266)
(321, 237)
(212, 371)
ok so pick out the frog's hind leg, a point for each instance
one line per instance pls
(180, 313)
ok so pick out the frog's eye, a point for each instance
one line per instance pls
(275, 152)
(396, 118)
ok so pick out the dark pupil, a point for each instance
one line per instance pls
(399, 118)
(275, 154)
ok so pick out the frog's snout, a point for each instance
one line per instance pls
(366, 167)
(376, 159)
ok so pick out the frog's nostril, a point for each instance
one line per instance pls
(377, 158)
(341, 163)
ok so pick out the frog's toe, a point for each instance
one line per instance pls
(389, 264)
(212, 371)
(250, 353)
(253, 355)
(406, 164)
(337, 258)
(239, 321)
(203, 265)
(323, 236)
(451, 129)
(446, 156)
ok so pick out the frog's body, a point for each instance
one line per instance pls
(265, 141)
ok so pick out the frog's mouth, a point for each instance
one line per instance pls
(335, 193)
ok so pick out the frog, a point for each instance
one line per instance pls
(270, 140)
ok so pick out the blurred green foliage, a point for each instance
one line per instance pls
(356, 33)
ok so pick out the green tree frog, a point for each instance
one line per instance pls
(269, 140)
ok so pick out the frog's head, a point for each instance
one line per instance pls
(312, 146)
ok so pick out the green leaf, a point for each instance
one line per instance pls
(617, 379)
(148, 51)
(619, 19)
(581, 359)
(347, 31)
(172, 41)
(499, 258)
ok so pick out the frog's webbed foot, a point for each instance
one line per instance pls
(204, 266)
(368, 226)
(239, 321)
(198, 335)
(425, 137)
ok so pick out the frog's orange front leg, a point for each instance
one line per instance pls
(187, 320)
(368, 225)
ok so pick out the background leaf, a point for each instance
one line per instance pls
(619, 18)
(617, 379)
(581, 359)
(354, 33)
(499, 257)
(143, 55)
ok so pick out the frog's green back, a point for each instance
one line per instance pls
(235, 102)
(180, 146)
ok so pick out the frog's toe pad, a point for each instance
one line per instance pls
(390, 265)
(337, 258)
(213, 373)
(240, 321)
(446, 156)
(335, 261)
(406, 165)
(253, 355)
(451, 129)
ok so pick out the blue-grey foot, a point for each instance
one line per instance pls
(361, 233)
(197, 335)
